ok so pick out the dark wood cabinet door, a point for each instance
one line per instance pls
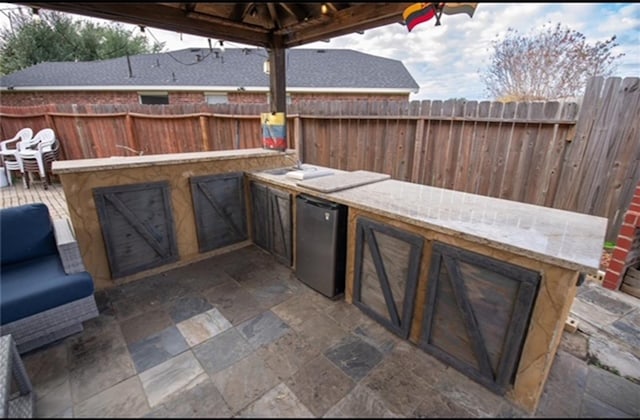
(477, 312)
(260, 215)
(220, 212)
(137, 226)
(280, 225)
(387, 269)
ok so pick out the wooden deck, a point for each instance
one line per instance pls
(53, 197)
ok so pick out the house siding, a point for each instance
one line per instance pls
(105, 97)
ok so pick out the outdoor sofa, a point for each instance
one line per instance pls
(45, 291)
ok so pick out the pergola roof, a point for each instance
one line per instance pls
(266, 25)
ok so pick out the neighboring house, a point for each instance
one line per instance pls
(196, 75)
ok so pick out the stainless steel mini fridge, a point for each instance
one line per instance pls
(321, 244)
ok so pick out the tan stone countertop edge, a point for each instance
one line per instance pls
(477, 239)
(126, 162)
(281, 181)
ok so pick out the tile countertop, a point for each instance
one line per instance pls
(117, 162)
(568, 239)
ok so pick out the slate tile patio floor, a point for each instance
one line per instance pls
(238, 335)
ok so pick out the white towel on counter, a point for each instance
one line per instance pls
(307, 174)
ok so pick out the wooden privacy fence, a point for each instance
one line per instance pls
(96, 131)
(582, 157)
(510, 150)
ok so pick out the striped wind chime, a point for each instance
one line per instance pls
(422, 12)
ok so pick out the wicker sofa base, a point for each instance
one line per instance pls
(51, 325)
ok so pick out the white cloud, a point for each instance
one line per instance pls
(445, 60)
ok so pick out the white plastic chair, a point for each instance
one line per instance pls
(10, 158)
(44, 141)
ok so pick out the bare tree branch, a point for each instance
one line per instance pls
(554, 63)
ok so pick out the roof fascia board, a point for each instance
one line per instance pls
(207, 89)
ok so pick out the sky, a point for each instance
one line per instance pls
(447, 61)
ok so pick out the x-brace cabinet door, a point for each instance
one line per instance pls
(260, 215)
(137, 226)
(280, 223)
(477, 313)
(387, 269)
(219, 205)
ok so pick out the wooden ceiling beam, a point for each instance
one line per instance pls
(190, 7)
(295, 11)
(274, 15)
(351, 19)
(239, 11)
(343, 19)
(167, 17)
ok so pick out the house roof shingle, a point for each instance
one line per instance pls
(236, 67)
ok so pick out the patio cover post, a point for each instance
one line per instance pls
(277, 76)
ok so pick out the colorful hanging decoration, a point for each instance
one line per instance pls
(422, 12)
(418, 13)
(274, 130)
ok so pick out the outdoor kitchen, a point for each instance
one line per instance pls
(270, 244)
(483, 284)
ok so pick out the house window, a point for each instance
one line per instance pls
(154, 98)
(216, 98)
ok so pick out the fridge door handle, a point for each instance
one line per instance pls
(322, 204)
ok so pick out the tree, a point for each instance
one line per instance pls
(552, 64)
(57, 37)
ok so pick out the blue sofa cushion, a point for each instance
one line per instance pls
(26, 232)
(33, 286)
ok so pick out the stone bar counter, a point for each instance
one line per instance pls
(140, 215)
(563, 238)
(481, 283)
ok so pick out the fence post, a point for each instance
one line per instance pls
(417, 156)
(204, 127)
(298, 137)
(49, 120)
(131, 137)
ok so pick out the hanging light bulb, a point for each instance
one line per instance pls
(324, 8)
(221, 46)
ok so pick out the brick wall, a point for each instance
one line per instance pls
(80, 97)
(105, 98)
(627, 251)
(350, 97)
(247, 98)
(185, 97)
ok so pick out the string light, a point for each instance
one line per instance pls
(36, 14)
(324, 8)
(221, 46)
